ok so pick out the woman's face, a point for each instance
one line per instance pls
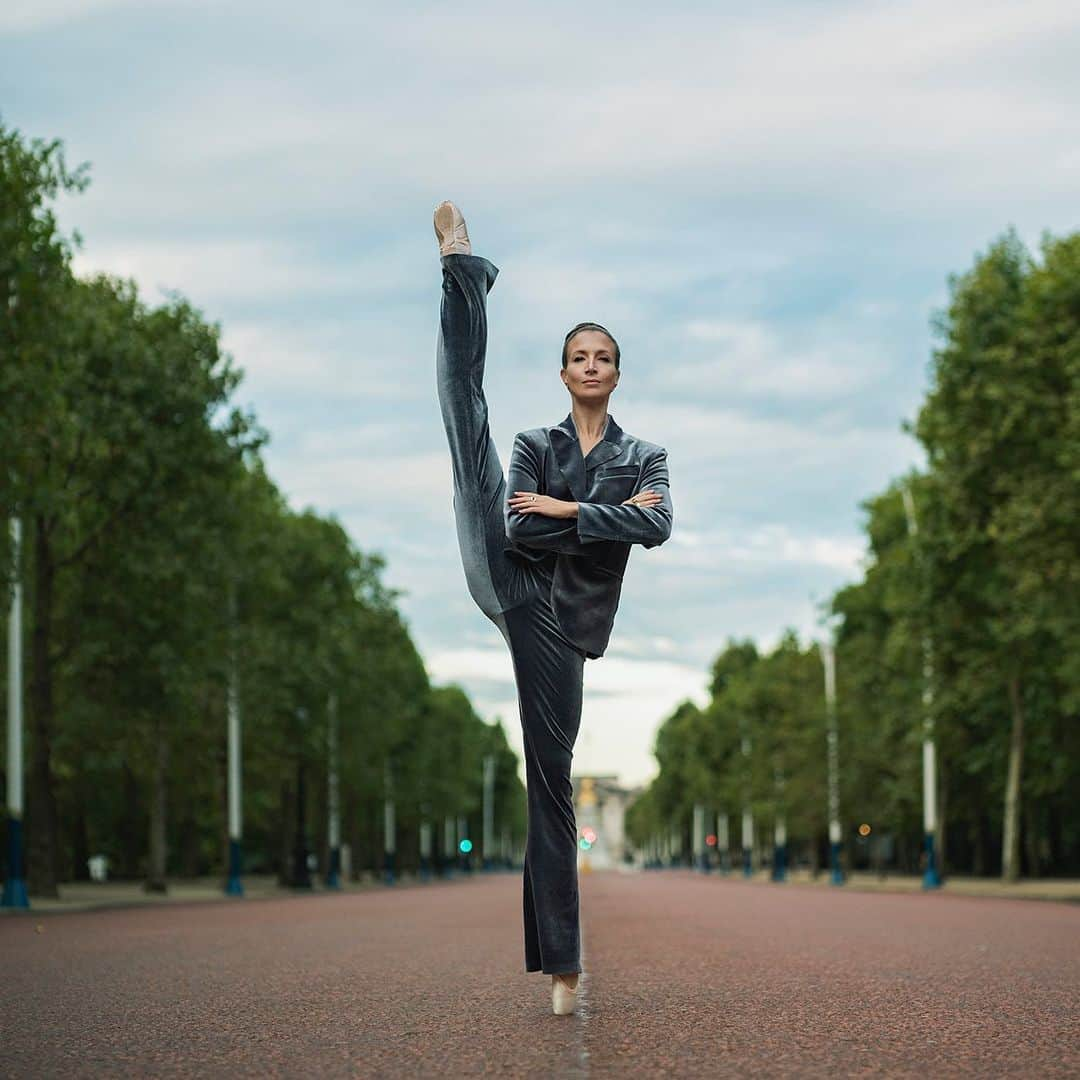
(590, 373)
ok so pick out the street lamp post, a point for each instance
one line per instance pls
(389, 824)
(747, 842)
(234, 885)
(747, 812)
(931, 878)
(723, 841)
(489, 812)
(333, 796)
(464, 849)
(699, 838)
(301, 870)
(449, 845)
(832, 746)
(425, 842)
(14, 895)
(779, 867)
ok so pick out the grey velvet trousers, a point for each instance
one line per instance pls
(515, 595)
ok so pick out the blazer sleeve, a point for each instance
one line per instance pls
(536, 530)
(645, 525)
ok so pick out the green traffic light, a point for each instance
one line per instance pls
(465, 846)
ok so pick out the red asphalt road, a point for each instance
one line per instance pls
(686, 975)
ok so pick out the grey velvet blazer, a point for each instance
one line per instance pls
(589, 552)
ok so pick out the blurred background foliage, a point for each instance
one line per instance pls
(156, 553)
(990, 573)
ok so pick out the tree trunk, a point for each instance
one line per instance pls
(286, 830)
(1010, 840)
(222, 791)
(155, 880)
(80, 835)
(1031, 840)
(353, 833)
(301, 876)
(42, 839)
(131, 836)
(188, 838)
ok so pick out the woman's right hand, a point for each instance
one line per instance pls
(644, 498)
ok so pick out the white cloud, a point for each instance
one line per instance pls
(327, 359)
(245, 270)
(29, 15)
(751, 359)
(766, 545)
(883, 109)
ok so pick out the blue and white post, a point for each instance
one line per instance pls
(779, 867)
(234, 885)
(425, 846)
(700, 862)
(747, 813)
(489, 812)
(464, 844)
(389, 825)
(14, 895)
(333, 796)
(931, 877)
(449, 845)
(747, 842)
(779, 859)
(723, 841)
(836, 835)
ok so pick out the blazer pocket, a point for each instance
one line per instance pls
(618, 470)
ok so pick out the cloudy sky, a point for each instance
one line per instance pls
(762, 201)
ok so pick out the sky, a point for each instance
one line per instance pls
(764, 202)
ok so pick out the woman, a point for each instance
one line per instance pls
(544, 564)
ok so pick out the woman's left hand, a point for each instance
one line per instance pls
(530, 502)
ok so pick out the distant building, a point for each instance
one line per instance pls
(600, 805)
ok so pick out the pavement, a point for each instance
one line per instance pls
(93, 895)
(89, 896)
(686, 975)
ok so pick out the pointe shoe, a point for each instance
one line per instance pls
(450, 230)
(563, 999)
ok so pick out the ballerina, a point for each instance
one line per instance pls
(545, 564)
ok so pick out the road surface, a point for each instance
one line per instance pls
(687, 975)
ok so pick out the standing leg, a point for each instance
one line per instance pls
(548, 670)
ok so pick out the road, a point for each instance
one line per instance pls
(687, 975)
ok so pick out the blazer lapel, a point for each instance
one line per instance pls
(567, 451)
(566, 447)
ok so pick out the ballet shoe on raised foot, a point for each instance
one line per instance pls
(563, 999)
(450, 230)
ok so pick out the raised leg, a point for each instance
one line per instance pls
(479, 483)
